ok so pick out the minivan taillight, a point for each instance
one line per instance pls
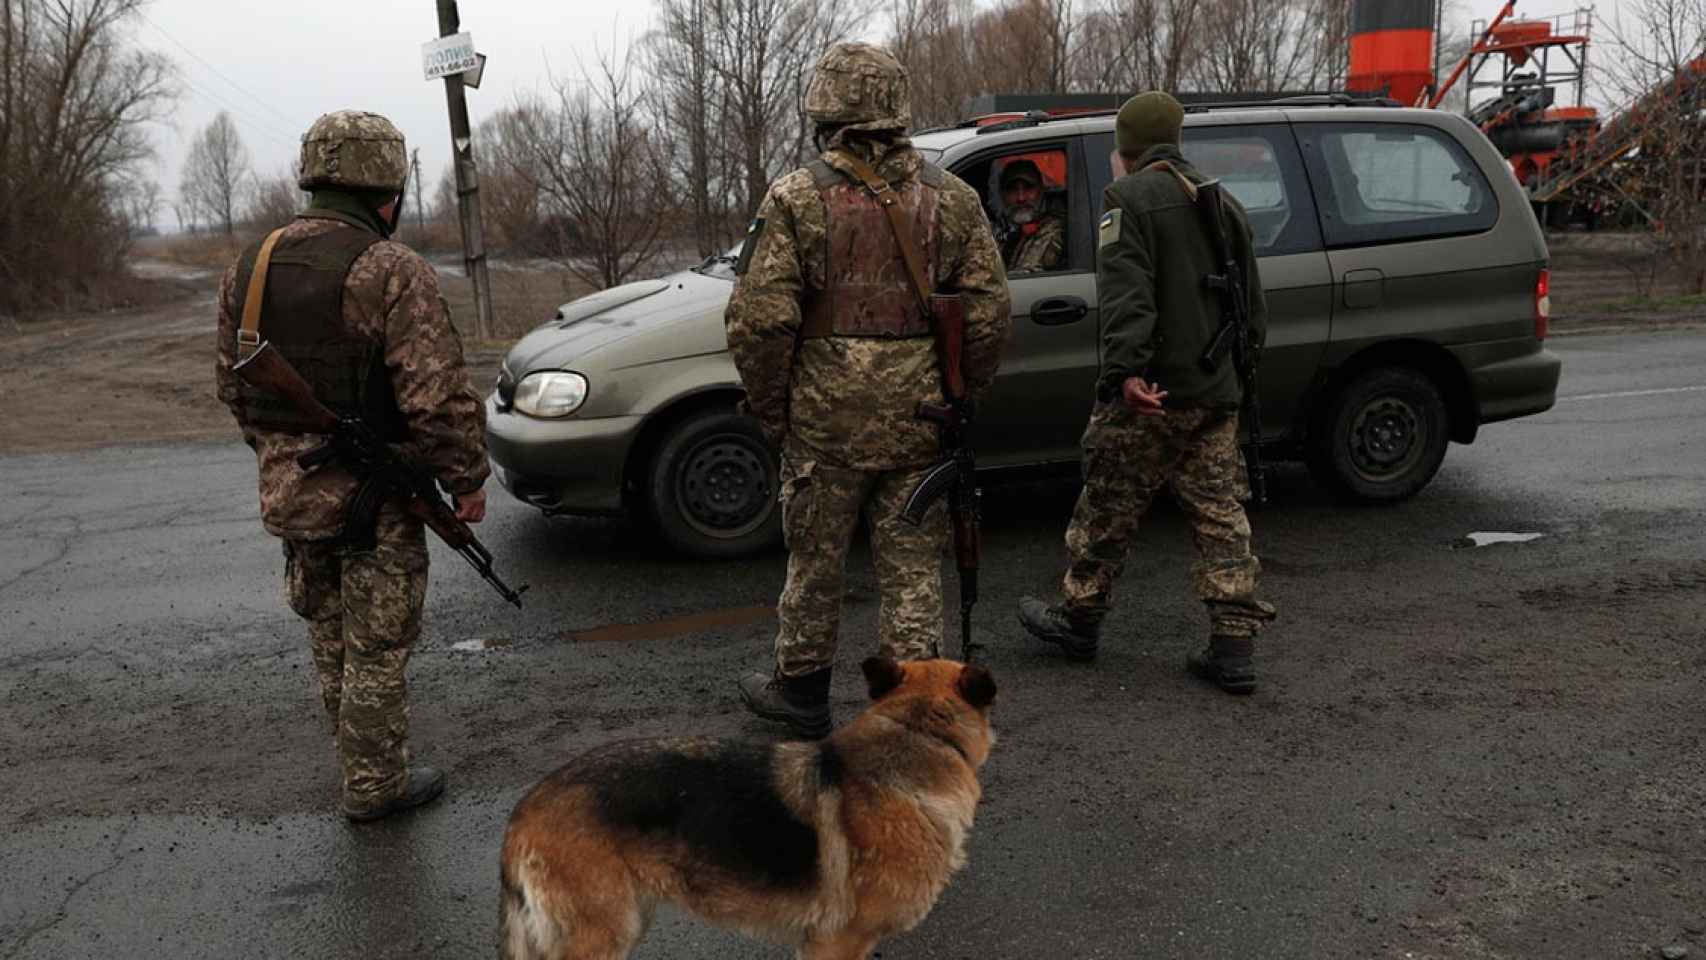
(1542, 304)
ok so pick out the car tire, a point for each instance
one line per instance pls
(711, 487)
(1381, 438)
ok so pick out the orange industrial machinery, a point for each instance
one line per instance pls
(1392, 48)
(1536, 59)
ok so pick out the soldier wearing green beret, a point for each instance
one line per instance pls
(1160, 418)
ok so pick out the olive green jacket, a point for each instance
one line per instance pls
(1157, 315)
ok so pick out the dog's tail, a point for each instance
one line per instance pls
(525, 930)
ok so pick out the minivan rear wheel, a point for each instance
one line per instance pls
(1381, 438)
(712, 487)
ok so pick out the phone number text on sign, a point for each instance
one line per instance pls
(448, 55)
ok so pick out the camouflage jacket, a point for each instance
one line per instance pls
(852, 401)
(392, 296)
(1042, 249)
(1157, 315)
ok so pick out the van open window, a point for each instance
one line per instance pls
(1026, 197)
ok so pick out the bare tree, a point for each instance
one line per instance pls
(509, 193)
(1659, 75)
(762, 52)
(273, 201)
(216, 172)
(600, 171)
(74, 104)
(933, 40)
(691, 103)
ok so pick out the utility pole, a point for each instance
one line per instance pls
(467, 181)
(415, 177)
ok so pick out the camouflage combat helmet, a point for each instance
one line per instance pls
(354, 150)
(860, 86)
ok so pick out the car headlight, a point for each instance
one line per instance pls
(550, 394)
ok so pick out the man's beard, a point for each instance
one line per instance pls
(1022, 215)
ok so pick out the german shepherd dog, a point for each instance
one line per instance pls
(828, 846)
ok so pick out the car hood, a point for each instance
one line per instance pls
(595, 323)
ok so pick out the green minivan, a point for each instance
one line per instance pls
(1406, 278)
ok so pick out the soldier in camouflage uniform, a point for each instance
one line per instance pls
(1159, 417)
(1032, 238)
(361, 318)
(836, 354)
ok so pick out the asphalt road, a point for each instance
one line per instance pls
(1459, 751)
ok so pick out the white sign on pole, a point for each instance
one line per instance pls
(471, 78)
(448, 55)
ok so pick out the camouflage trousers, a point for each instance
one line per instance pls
(821, 505)
(1127, 459)
(364, 614)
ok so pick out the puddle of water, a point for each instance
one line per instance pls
(673, 626)
(1482, 539)
(477, 645)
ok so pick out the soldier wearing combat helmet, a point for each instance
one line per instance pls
(836, 353)
(1161, 417)
(361, 318)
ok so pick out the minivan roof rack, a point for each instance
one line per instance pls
(1033, 118)
(1311, 100)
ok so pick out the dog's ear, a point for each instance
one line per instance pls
(883, 675)
(976, 685)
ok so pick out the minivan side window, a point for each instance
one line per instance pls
(1391, 182)
(1258, 164)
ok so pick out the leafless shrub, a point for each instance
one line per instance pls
(600, 170)
(74, 102)
(273, 201)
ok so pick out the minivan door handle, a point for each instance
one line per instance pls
(1059, 310)
(1363, 288)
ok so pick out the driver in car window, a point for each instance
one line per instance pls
(1032, 238)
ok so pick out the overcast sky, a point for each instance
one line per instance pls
(277, 66)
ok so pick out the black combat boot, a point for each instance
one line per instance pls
(424, 786)
(800, 702)
(1226, 662)
(1053, 625)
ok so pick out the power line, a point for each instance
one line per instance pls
(215, 70)
(271, 133)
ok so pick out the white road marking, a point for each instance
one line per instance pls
(1631, 393)
(1481, 539)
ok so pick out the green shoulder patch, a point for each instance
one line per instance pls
(1108, 230)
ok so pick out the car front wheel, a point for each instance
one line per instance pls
(1380, 438)
(712, 487)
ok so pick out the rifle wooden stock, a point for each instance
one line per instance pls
(266, 369)
(948, 312)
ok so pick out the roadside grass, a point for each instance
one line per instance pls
(521, 300)
(1688, 304)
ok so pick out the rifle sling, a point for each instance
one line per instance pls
(249, 335)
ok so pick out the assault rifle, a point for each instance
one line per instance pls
(378, 469)
(956, 475)
(1234, 332)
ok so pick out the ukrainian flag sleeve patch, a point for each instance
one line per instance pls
(1108, 230)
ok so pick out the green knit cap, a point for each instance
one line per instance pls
(1146, 120)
